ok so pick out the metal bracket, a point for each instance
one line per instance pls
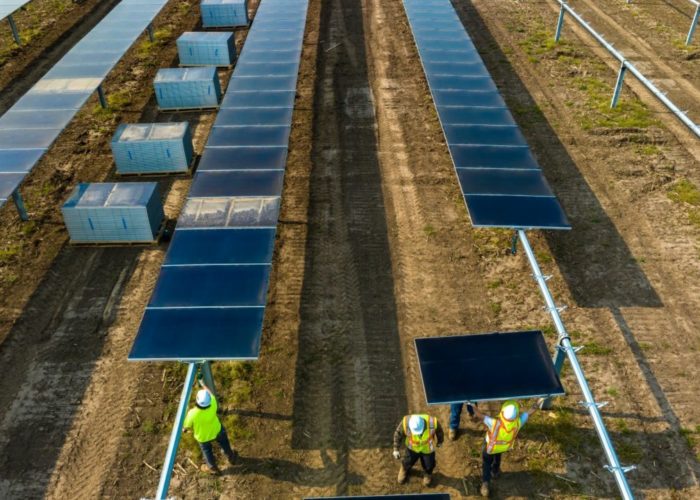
(545, 277)
(514, 243)
(624, 469)
(573, 348)
(597, 404)
(558, 309)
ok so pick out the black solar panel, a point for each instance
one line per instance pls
(502, 183)
(485, 367)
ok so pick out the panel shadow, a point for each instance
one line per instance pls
(349, 389)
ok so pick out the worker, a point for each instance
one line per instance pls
(455, 414)
(421, 434)
(207, 428)
(500, 436)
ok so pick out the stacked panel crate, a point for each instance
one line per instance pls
(114, 213)
(224, 13)
(206, 48)
(148, 148)
(187, 88)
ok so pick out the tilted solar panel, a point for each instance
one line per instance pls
(29, 128)
(486, 367)
(210, 297)
(502, 184)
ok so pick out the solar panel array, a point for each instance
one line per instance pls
(29, 128)
(7, 7)
(209, 300)
(501, 181)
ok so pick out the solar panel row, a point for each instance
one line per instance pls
(501, 181)
(29, 128)
(210, 297)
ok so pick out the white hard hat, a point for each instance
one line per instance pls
(510, 412)
(416, 424)
(203, 398)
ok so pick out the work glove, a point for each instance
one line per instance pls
(396, 454)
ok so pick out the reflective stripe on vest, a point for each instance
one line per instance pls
(425, 443)
(502, 436)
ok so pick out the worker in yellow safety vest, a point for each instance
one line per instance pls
(421, 435)
(500, 436)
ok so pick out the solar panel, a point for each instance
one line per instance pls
(486, 367)
(209, 299)
(502, 183)
(29, 128)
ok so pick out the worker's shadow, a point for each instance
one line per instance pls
(293, 472)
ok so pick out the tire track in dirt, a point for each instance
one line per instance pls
(348, 376)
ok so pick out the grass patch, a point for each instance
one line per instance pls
(612, 392)
(429, 231)
(594, 349)
(629, 113)
(496, 307)
(684, 191)
(544, 257)
(149, 426)
(495, 284)
(7, 253)
(649, 150)
(629, 452)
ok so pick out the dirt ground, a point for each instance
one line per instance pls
(374, 250)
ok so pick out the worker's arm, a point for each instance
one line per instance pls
(478, 412)
(205, 387)
(399, 436)
(439, 434)
(536, 406)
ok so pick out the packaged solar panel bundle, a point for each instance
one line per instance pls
(224, 13)
(150, 148)
(206, 48)
(187, 88)
(112, 212)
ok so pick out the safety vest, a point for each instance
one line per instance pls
(502, 436)
(425, 443)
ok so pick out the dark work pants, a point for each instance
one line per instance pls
(456, 412)
(489, 464)
(208, 449)
(426, 460)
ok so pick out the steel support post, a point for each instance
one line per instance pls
(15, 31)
(149, 30)
(618, 84)
(166, 473)
(560, 24)
(19, 203)
(693, 25)
(565, 344)
(101, 96)
(207, 376)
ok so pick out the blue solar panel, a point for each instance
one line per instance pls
(199, 334)
(502, 183)
(9, 184)
(461, 368)
(213, 285)
(206, 285)
(216, 246)
(238, 183)
(36, 120)
(243, 158)
(251, 135)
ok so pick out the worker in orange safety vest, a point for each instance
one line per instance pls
(421, 435)
(500, 436)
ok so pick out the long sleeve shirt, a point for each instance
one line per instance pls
(400, 435)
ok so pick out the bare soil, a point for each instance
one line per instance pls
(374, 250)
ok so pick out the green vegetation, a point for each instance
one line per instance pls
(629, 452)
(496, 307)
(649, 150)
(684, 191)
(429, 231)
(495, 284)
(7, 253)
(544, 257)
(594, 349)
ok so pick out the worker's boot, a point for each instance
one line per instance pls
(484, 489)
(402, 475)
(427, 479)
(233, 457)
(495, 473)
(452, 434)
(210, 470)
